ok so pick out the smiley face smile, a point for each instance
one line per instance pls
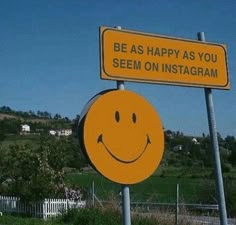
(100, 140)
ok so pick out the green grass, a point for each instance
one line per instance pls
(186, 172)
(17, 220)
(155, 188)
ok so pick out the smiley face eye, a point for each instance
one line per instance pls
(134, 118)
(117, 116)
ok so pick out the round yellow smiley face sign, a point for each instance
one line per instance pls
(122, 136)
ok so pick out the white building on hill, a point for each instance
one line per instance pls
(25, 128)
(52, 132)
(63, 132)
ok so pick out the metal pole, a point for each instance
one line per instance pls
(125, 188)
(126, 205)
(215, 149)
(177, 205)
(120, 85)
(93, 194)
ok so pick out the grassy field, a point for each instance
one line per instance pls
(195, 186)
(154, 189)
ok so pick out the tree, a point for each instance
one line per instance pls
(63, 152)
(229, 142)
(31, 174)
(37, 173)
(232, 157)
(57, 116)
(5, 109)
(10, 126)
(2, 135)
(75, 123)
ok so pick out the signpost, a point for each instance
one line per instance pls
(141, 57)
(215, 148)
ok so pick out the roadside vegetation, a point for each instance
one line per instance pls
(96, 216)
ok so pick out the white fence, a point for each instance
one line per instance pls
(43, 209)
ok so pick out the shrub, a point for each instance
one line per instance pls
(226, 167)
(207, 194)
(230, 197)
(206, 191)
(95, 216)
(109, 216)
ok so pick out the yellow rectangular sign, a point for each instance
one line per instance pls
(141, 57)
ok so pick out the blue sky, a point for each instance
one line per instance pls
(49, 55)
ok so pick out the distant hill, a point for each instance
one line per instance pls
(40, 121)
(7, 116)
(37, 117)
(26, 118)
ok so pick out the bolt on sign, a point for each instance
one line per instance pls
(122, 136)
(142, 57)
